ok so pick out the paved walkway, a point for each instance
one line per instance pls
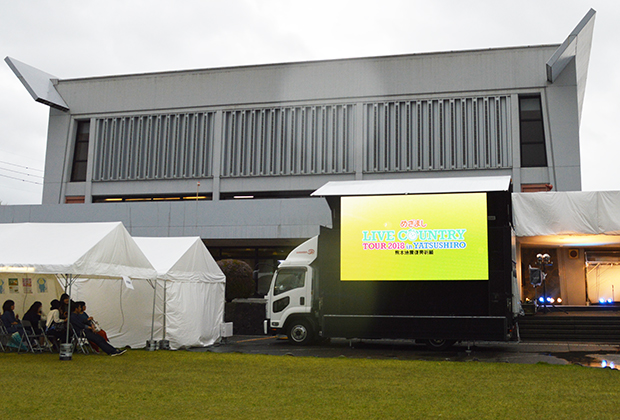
(585, 354)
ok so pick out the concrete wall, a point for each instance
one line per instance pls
(423, 74)
(255, 219)
(507, 71)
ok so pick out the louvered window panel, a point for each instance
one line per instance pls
(438, 134)
(145, 147)
(299, 140)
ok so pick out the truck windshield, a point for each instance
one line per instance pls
(289, 279)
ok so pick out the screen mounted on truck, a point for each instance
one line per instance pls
(414, 237)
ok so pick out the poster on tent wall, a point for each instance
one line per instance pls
(27, 285)
(14, 286)
(1, 286)
(41, 285)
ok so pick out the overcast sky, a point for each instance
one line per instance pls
(83, 38)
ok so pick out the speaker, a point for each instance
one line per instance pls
(573, 253)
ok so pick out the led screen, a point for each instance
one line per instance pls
(414, 237)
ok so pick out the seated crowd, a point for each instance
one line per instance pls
(55, 325)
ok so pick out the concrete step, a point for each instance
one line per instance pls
(570, 328)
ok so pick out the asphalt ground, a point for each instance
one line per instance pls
(594, 355)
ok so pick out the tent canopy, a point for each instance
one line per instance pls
(91, 249)
(183, 259)
(566, 213)
(189, 302)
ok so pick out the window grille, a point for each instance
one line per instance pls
(154, 147)
(438, 134)
(300, 140)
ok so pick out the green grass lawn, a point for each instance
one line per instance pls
(181, 384)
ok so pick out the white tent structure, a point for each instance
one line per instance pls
(582, 228)
(576, 214)
(32, 254)
(189, 306)
(103, 250)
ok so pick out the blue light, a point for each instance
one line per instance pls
(608, 300)
(601, 301)
(604, 364)
(541, 299)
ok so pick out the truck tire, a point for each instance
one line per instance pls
(439, 344)
(300, 332)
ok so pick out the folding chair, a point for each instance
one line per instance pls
(4, 338)
(81, 343)
(7, 341)
(47, 343)
(56, 337)
(31, 338)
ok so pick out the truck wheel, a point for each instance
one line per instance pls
(300, 332)
(439, 344)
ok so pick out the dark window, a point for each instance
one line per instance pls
(80, 153)
(533, 149)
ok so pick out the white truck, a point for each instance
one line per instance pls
(422, 259)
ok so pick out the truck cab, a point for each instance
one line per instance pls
(290, 308)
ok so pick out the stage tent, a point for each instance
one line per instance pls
(32, 255)
(584, 229)
(569, 215)
(189, 305)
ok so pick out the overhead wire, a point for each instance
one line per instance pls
(21, 173)
(23, 180)
(21, 166)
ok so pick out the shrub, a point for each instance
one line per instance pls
(239, 279)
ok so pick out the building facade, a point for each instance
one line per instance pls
(232, 154)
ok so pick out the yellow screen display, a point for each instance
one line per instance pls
(414, 237)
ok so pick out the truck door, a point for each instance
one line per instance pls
(290, 294)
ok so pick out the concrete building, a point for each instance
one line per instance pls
(232, 154)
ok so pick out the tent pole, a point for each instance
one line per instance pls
(153, 314)
(165, 290)
(68, 285)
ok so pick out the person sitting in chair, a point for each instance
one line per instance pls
(33, 315)
(81, 328)
(56, 323)
(12, 324)
(10, 320)
(88, 320)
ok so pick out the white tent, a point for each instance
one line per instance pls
(189, 307)
(33, 254)
(72, 249)
(567, 213)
